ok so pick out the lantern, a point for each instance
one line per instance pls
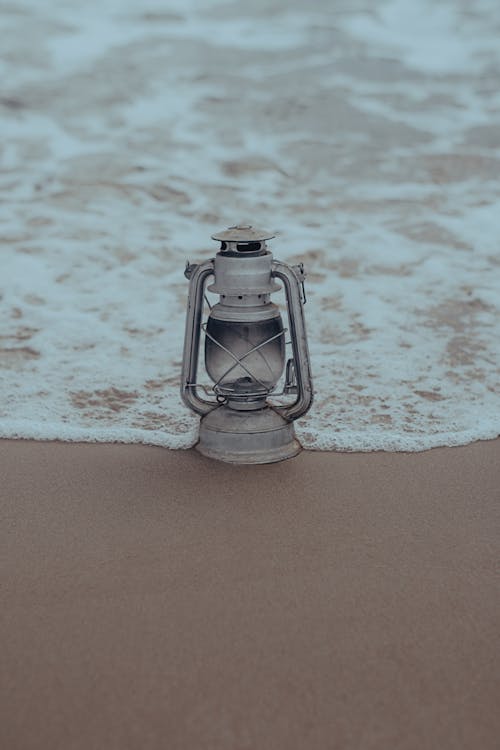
(245, 345)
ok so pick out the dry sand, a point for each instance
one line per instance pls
(155, 599)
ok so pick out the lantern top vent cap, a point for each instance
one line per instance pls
(242, 233)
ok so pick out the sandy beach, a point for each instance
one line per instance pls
(154, 599)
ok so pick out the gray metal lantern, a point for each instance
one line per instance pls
(245, 351)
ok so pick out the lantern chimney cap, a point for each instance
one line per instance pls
(242, 233)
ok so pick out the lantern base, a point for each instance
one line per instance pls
(247, 437)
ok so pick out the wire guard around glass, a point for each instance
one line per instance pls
(244, 359)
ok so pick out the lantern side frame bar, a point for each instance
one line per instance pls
(197, 281)
(302, 363)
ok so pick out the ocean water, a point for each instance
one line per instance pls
(365, 133)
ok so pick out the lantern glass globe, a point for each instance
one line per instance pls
(260, 367)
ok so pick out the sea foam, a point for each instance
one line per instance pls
(366, 135)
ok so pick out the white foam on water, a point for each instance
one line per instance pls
(446, 37)
(366, 135)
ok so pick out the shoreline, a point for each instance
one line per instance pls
(24, 431)
(154, 597)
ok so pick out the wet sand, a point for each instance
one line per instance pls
(155, 599)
